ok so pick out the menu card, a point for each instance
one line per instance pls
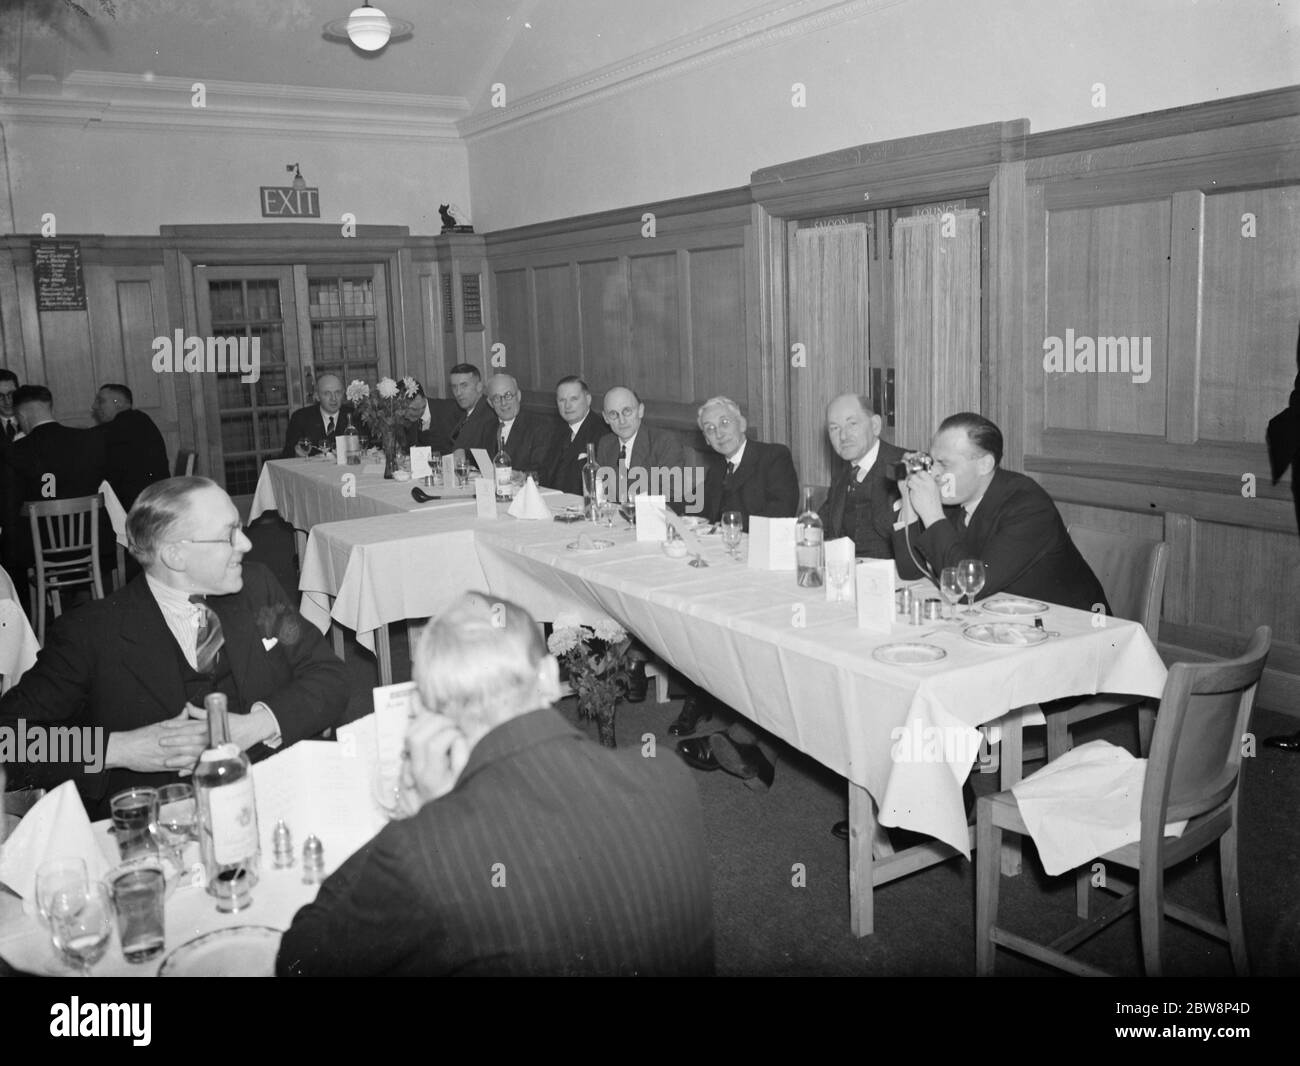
(449, 471)
(650, 522)
(875, 591)
(420, 456)
(484, 462)
(485, 494)
(771, 543)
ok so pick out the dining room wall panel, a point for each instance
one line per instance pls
(556, 343)
(718, 327)
(605, 316)
(514, 326)
(1242, 577)
(660, 362)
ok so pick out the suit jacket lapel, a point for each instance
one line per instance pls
(146, 641)
(241, 637)
(748, 466)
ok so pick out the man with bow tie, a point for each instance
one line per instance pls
(139, 663)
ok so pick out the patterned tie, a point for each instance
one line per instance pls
(210, 638)
(11, 430)
(731, 469)
(622, 473)
(329, 427)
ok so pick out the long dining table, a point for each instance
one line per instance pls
(904, 736)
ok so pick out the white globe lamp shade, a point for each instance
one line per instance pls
(369, 28)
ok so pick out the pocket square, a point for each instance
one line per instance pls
(269, 642)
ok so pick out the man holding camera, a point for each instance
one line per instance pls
(965, 506)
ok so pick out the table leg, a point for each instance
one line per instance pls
(384, 654)
(863, 829)
(1011, 770)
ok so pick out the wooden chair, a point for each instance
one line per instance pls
(1193, 773)
(184, 463)
(1132, 573)
(65, 538)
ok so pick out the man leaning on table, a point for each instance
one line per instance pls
(528, 850)
(320, 422)
(138, 664)
(1003, 518)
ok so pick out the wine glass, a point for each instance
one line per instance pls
(177, 820)
(55, 876)
(462, 470)
(950, 587)
(971, 574)
(81, 924)
(733, 525)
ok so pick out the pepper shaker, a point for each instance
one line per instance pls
(282, 846)
(313, 861)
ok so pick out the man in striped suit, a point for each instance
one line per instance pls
(528, 850)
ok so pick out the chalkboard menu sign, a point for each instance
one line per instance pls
(60, 285)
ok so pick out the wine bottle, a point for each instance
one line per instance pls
(809, 554)
(352, 442)
(227, 809)
(504, 472)
(592, 487)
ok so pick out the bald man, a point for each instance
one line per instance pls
(318, 423)
(530, 439)
(646, 460)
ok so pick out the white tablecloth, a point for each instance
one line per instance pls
(793, 663)
(18, 644)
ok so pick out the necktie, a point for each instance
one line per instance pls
(11, 430)
(459, 426)
(622, 473)
(210, 638)
(849, 523)
(960, 521)
(731, 469)
(329, 427)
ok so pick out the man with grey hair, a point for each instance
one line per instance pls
(317, 424)
(529, 438)
(198, 620)
(744, 475)
(527, 849)
(863, 502)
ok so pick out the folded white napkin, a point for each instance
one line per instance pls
(528, 504)
(1084, 804)
(56, 828)
(116, 512)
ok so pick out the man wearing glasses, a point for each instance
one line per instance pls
(644, 460)
(529, 438)
(745, 475)
(198, 620)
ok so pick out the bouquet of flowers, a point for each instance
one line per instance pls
(383, 411)
(596, 659)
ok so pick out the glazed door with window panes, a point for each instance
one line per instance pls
(345, 322)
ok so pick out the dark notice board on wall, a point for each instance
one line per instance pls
(60, 285)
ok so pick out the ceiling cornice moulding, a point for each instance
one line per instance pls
(129, 101)
(714, 44)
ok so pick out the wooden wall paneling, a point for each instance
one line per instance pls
(557, 329)
(657, 364)
(880, 294)
(766, 267)
(1180, 531)
(830, 317)
(719, 332)
(1210, 457)
(514, 315)
(11, 335)
(1035, 323)
(1248, 576)
(1108, 520)
(686, 328)
(30, 322)
(1008, 355)
(1108, 280)
(1251, 310)
(605, 325)
(434, 376)
(67, 366)
(111, 315)
(133, 351)
(1186, 278)
(936, 321)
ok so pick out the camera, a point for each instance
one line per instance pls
(912, 465)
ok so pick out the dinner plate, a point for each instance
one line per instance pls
(591, 545)
(695, 522)
(908, 653)
(240, 951)
(1014, 606)
(1004, 634)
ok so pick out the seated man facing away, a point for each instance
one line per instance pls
(1001, 517)
(133, 668)
(530, 850)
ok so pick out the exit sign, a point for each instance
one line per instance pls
(290, 202)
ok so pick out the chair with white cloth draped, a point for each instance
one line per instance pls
(1192, 777)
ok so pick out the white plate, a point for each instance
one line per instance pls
(593, 545)
(1014, 606)
(695, 522)
(1004, 634)
(908, 653)
(240, 951)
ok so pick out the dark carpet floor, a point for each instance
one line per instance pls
(769, 926)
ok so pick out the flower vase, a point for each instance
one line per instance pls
(390, 456)
(605, 725)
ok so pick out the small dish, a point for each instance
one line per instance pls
(1004, 634)
(1014, 606)
(908, 653)
(589, 544)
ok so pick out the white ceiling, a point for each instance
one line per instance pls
(460, 48)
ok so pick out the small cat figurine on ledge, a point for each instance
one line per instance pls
(454, 219)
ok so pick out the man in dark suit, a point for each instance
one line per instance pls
(137, 454)
(528, 850)
(862, 502)
(744, 475)
(755, 479)
(968, 507)
(1283, 439)
(138, 664)
(641, 458)
(318, 423)
(530, 439)
(582, 428)
(9, 428)
(49, 461)
(472, 423)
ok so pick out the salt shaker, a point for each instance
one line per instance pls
(313, 861)
(282, 846)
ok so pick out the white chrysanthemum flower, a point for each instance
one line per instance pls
(609, 631)
(387, 388)
(566, 620)
(562, 640)
(357, 391)
(409, 386)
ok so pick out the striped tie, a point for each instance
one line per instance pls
(210, 638)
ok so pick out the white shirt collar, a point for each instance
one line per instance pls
(426, 419)
(740, 454)
(574, 427)
(169, 597)
(506, 427)
(325, 417)
(865, 464)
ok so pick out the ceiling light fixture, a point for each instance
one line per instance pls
(369, 28)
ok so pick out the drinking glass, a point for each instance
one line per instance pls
(81, 924)
(55, 876)
(135, 820)
(177, 820)
(950, 587)
(435, 469)
(972, 576)
(733, 526)
(139, 892)
(462, 471)
(605, 515)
